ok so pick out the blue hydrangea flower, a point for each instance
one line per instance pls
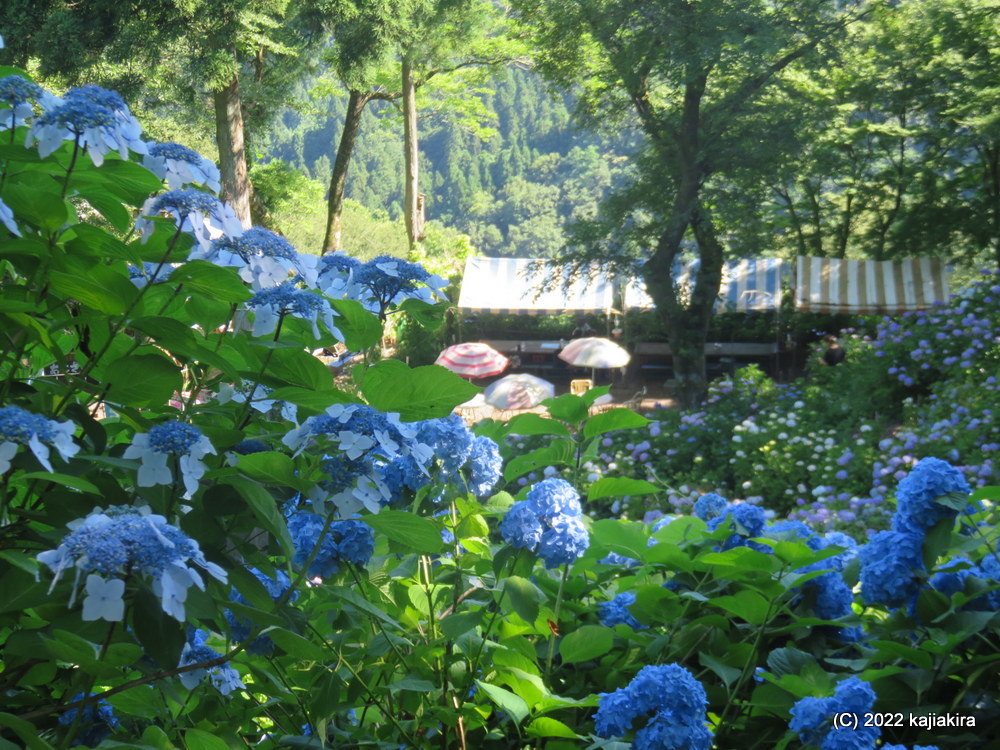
(673, 700)
(554, 497)
(664, 733)
(345, 541)
(615, 612)
(123, 541)
(564, 541)
(21, 427)
(931, 478)
(710, 506)
(402, 473)
(104, 600)
(449, 438)
(988, 569)
(812, 717)
(178, 439)
(521, 527)
(619, 561)
(833, 596)
(548, 522)
(889, 564)
(746, 521)
(97, 721)
(950, 581)
(223, 676)
(240, 627)
(485, 466)
(180, 166)
(248, 447)
(835, 539)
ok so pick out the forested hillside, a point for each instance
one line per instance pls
(510, 185)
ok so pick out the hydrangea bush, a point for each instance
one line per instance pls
(209, 542)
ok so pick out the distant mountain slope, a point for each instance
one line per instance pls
(511, 194)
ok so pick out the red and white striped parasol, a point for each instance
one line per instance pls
(472, 360)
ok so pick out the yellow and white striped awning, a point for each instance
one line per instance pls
(869, 287)
(506, 285)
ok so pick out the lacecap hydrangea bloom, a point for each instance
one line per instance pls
(360, 440)
(674, 703)
(200, 214)
(223, 677)
(335, 276)
(111, 545)
(178, 439)
(386, 280)
(916, 509)
(812, 718)
(548, 522)
(271, 304)
(21, 427)
(347, 541)
(458, 458)
(264, 258)
(180, 166)
(97, 119)
(17, 93)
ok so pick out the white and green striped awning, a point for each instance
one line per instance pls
(507, 285)
(747, 285)
(869, 287)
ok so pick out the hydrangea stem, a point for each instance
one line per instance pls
(555, 615)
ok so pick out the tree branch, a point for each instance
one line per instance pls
(61, 707)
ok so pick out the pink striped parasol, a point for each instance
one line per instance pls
(473, 360)
(594, 353)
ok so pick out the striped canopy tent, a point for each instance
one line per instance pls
(869, 287)
(748, 285)
(506, 285)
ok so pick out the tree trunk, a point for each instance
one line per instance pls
(993, 188)
(687, 320)
(332, 242)
(235, 181)
(412, 205)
